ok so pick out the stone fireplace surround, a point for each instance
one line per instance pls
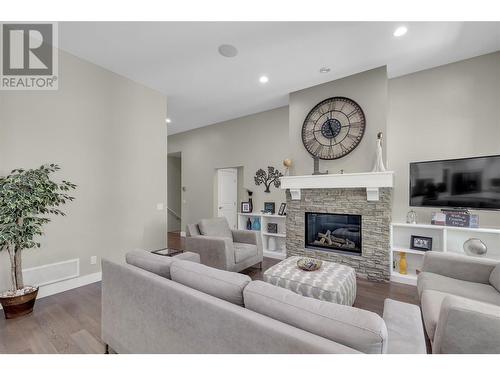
(374, 261)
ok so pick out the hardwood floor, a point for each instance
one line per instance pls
(70, 322)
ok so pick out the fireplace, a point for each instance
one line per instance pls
(333, 232)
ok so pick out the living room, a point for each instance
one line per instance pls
(262, 187)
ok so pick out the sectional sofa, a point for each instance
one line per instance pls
(154, 304)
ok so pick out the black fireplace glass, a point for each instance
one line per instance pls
(333, 232)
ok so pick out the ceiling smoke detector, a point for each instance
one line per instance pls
(227, 50)
(325, 69)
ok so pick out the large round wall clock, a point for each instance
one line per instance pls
(333, 128)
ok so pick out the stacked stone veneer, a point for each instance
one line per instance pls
(374, 262)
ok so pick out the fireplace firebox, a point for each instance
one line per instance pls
(333, 232)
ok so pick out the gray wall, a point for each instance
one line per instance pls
(174, 192)
(369, 90)
(251, 142)
(109, 136)
(452, 111)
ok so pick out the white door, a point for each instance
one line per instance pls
(227, 186)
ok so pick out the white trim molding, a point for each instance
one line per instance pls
(371, 181)
(62, 286)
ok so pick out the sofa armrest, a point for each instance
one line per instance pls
(467, 326)
(250, 237)
(245, 236)
(476, 270)
(217, 252)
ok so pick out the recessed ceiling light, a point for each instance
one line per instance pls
(324, 70)
(228, 50)
(400, 31)
(263, 79)
(168, 121)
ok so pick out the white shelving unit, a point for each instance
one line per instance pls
(445, 239)
(273, 243)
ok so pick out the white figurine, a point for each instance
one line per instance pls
(379, 161)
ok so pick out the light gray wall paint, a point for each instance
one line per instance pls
(109, 136)
(251, 142)
(452, 111)
(174, 192)
(369, 90)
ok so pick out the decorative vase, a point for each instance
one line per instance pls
(256, 224)
(272, 244)
(249, 224)
(250, 203)
(475, 247)
(403, 265)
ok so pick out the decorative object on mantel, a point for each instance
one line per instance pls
(316, 167)
(282, 210)
(333, 128)
(287, 163)
(403, 265)
(411, 217)
(475, 247)
(421, 243)
(309, 264)
(249, 224)
(26, 196)
(271, 177)
(250, 193)
(378, 166)
(269, 208)
(245, 207)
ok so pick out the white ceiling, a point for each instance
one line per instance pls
(180, 59)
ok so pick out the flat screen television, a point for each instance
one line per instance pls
(465, 183)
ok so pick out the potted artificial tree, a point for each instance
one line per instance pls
(26, 196)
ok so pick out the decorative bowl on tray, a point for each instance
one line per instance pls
(309, 264)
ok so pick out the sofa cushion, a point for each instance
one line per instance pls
(495, 277)
(359, 329)
(157, 264)
(431, 306)
(218, 283)
(243, 251)
(467, 289)
(216, 227)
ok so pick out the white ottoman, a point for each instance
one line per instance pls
(332, 282)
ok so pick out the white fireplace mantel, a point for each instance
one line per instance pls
(371, 181)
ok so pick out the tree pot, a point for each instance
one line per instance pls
(16, 306)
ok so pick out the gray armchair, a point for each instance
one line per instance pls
(460, 299)
(223, 248)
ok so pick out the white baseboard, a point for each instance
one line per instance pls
(62, 286)
(183, 234)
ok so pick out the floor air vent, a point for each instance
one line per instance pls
(52, 273)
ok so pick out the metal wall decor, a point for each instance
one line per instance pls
(333, 128)
(271, 177)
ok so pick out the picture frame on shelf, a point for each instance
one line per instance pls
(282, 210)
(246, 207)
(272, 228)
(269, 207)
(421, 243)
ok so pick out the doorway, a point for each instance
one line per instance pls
(227, 195)
(174, 193)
